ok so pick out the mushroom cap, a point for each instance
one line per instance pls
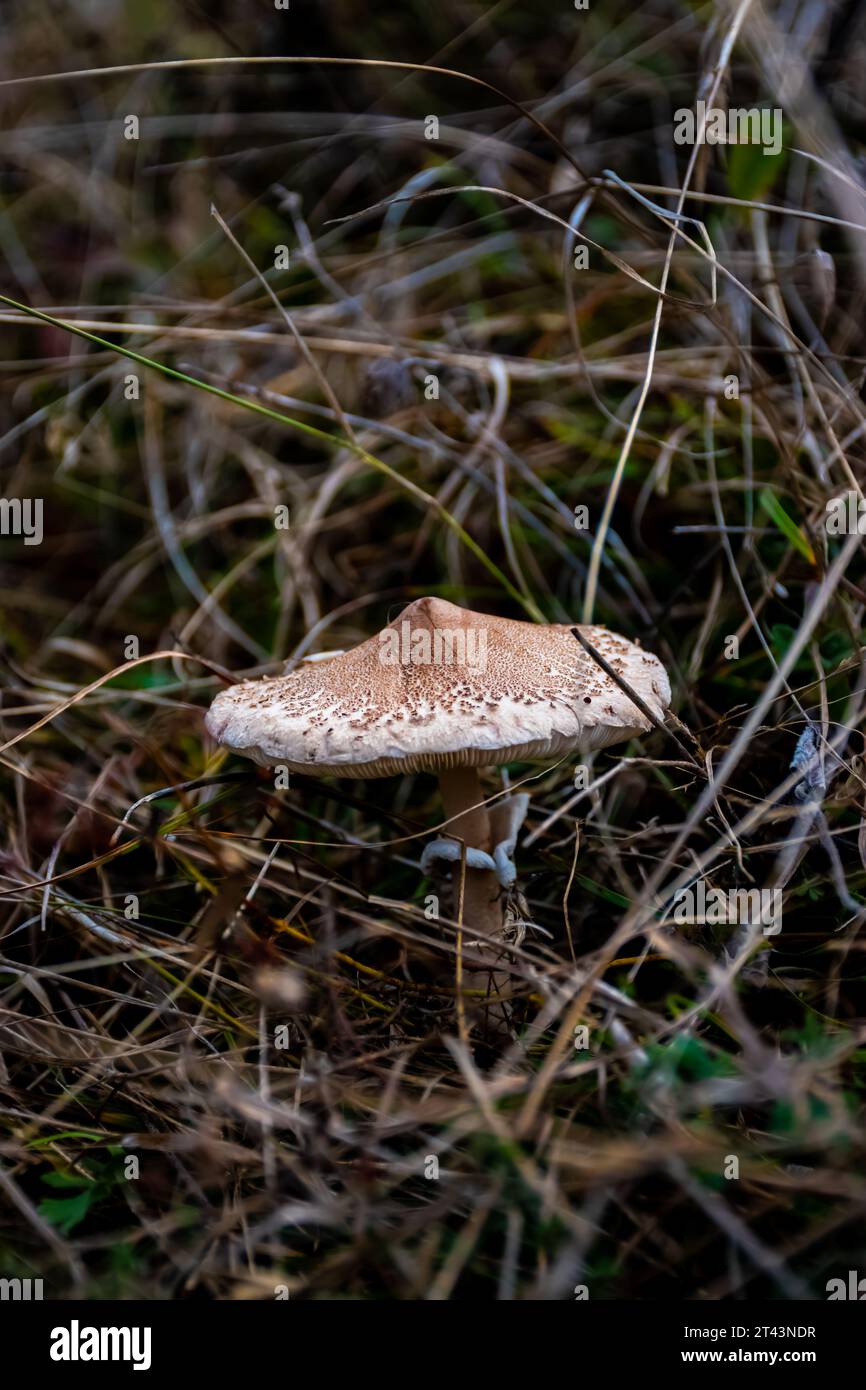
(442, 687)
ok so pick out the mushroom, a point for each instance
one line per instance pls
(442, 689)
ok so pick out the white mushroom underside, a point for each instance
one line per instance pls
(392, 764)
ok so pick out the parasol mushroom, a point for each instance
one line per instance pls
(444, 690)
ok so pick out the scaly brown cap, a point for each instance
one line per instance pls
(443, 687)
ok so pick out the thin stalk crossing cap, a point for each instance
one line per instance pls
(442, 687)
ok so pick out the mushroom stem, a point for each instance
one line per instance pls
(469, 821)
(463, 800)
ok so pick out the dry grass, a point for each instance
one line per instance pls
(239, 987)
